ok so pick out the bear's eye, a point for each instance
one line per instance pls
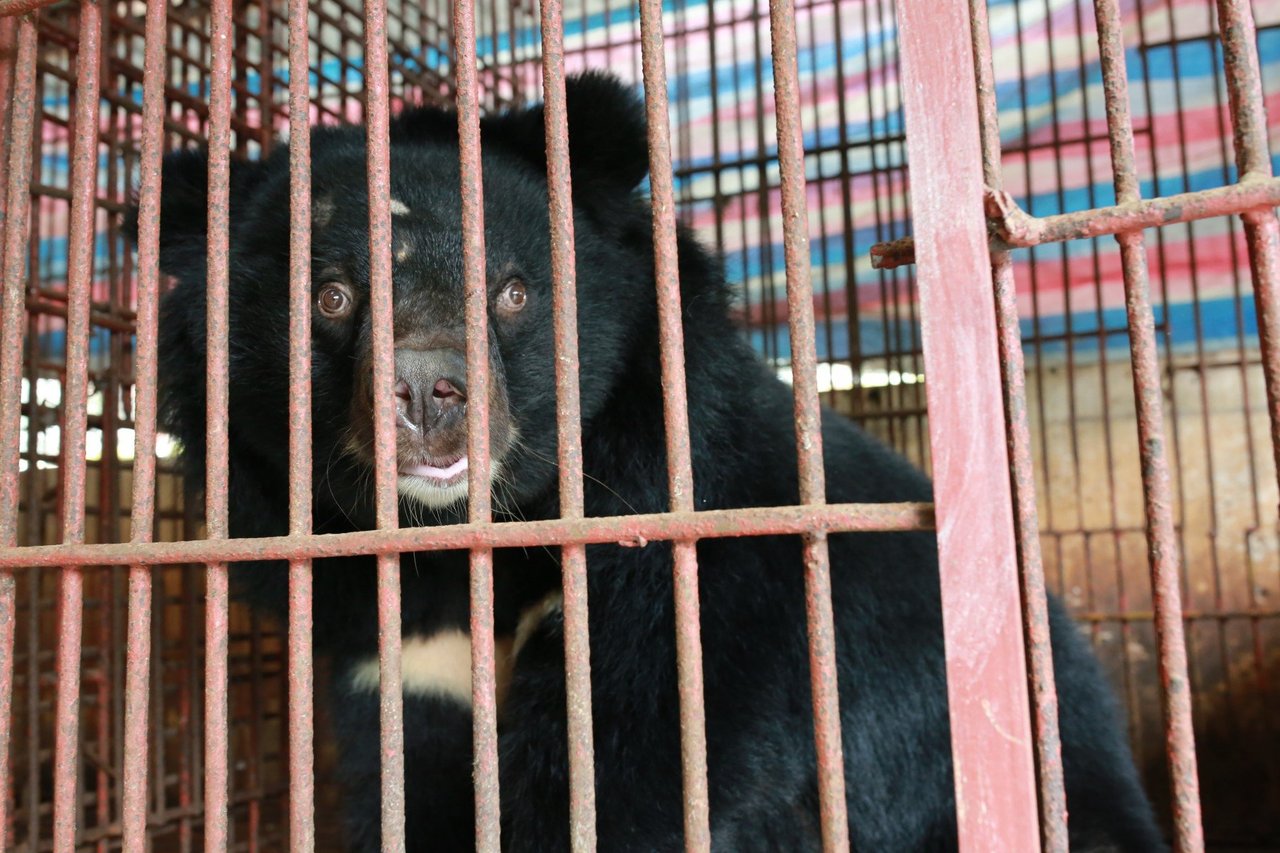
(334, 301)
(513, 297)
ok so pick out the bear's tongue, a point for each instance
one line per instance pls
(435, 473)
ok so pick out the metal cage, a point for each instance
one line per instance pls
(1118, 399)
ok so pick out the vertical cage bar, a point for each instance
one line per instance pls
(84, 184)
(693, 726)
(216, 721)
(808, 418)
(12, 310)
(8, 587)
(1253, 162)
(1035, 607)
(986, 669)
(142, 517)
(484, 706)
(391, 711)
(301, 678)
(8, 53)
(577, 645)
(1162, 541)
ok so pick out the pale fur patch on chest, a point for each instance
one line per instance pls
(440, 664)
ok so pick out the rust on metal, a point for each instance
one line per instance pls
(21, 7)
(1018, 229)
(138, 663)
(638, 530)
(301, 678)
(16, 222)
(573, 558)
(1239, 36)
(484, 704)
(808, 425)
(1022, 476)
(1013, 227)
(1162, 542)
(217, 598)
(84, 183)
(391, 703)
(982, 615)
(693, 724)
(8, 54)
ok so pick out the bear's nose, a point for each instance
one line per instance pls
(430, 389)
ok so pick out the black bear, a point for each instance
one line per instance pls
(759, 723)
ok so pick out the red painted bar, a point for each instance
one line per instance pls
(573, 558)
(982, 618)
(142, 514)
(808, 418)
(1162, 539)
(12, 305)
(693, 723)
(1035, 606)
(302, 813)
(484, 703)
(378, 120)
(629, 530)
(216, 744)
(1239, 36)
(84, 183)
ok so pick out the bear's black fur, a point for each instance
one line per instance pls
(759, 724)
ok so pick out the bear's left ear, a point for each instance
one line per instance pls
(184, 206)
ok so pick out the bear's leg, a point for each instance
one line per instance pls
(762, 796)
(439, 799)
(1106, 806)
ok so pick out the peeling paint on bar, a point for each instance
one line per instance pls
(1035, 607)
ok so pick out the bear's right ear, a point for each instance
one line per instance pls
(608, 141)
(184, 206)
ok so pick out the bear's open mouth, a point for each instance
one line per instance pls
(439, 472)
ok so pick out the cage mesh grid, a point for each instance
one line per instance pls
(1079, 386)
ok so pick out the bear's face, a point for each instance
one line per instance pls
(431, 378)
(431, 387)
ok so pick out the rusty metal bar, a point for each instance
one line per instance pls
(1253, 195)
(1019, 229)
(301, 695)
(16, 222)
(693, 724)
(391, 711)
(1253, 163)
(8, 54)
(21, 7)
(142, 515)
(8, 587)
(84, 185)
(484, 704)
(216, 722)
(1035, 607)
(573, 558)
(635, 530)
(982, 618)
(1162, 542)
(808, 424)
